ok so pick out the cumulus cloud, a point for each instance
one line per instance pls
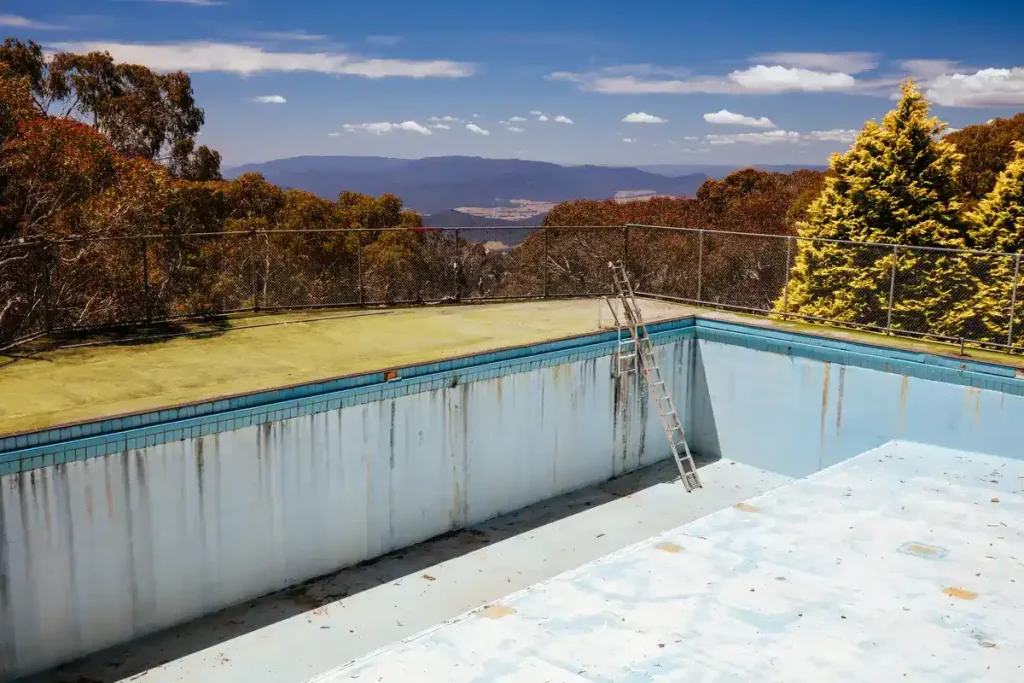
(516, 119)
(762, 78)
(845, 62)
(198, 57)
(441, 126)
(542, 117)
(15, 21)
(446, 119)
(473, 128)
(382, 127)
(515, 129)
(628, 140)
(642, 117)
(759, 79)
(984, 88)
(782, 136)
(728, 118)
(269, 99)
(562, 119)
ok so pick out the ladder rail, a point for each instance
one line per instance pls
(646, 360)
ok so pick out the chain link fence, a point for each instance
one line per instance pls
(963, 297)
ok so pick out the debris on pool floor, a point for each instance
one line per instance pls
(904, 563)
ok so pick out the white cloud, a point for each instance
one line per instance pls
(542, 117)
(642, 117)
(691, 137)
(476, 116)
(515, 129)
(14, 21)
(782, 136)
(269, 99)
(299, 36)
(473, 128)
(334, 135)
(762, 78)
(845, 62)
(927, 69)
(385, 41)
(628, 140)
(382, 127)
(759, 79)
(834, 135)
(441, 126)
(728, 118)
(984, 88)
(446, 119)
(562, 119)
(200, 57)
(534, 112)
(516, 119)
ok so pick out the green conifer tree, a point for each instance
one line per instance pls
(997, 225)
(895, 185)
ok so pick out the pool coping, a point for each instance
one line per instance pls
(23, 451)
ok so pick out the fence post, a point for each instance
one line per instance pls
(147, 307)
(700, 264)
(47, 316)
(359, 267)
(255, 274)
(785, 286)
(892, 288)
(1013, 299)
(625, 244)
(458, 269)
(547, 233)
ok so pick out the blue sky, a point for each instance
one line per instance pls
(641, 82)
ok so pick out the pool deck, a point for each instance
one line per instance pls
(904, 563)
(42, 388)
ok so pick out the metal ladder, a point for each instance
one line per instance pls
(639, 352)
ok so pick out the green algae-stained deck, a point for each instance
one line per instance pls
(248, 354)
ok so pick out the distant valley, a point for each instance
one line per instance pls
(456, 191)
(436, 184)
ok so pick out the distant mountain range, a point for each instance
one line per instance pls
(720, 170)
(436, 184)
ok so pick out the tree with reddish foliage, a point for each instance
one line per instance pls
(143, 113)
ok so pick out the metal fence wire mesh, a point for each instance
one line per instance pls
(81, 284)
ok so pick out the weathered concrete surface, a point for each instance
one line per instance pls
(902, 564)
(290, 636)
(796, 415)
(103, 551)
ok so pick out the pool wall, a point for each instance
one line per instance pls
(119, 528)
(101, 550)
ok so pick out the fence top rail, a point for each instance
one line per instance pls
(477, 228)
(888, 245)
(224, 233)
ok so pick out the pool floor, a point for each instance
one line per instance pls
(905, 563)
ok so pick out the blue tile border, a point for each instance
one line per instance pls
(917, 364)
(140, 431)
(23, 452)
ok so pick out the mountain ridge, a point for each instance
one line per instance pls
(433, 184)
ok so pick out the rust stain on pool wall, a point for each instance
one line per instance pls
(839, 402)
(824, 413)
(904, 387)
